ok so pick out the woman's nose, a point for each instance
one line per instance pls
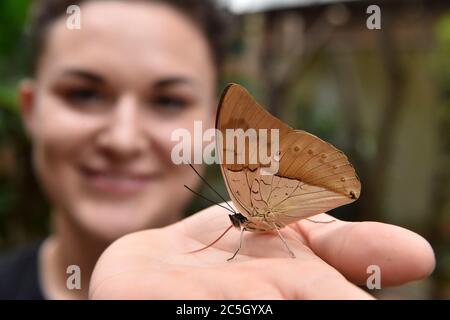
(123, 135)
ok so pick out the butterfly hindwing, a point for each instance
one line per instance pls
(315, 162)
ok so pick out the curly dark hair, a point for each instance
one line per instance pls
(212, 21)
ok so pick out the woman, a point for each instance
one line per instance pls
(100, 113)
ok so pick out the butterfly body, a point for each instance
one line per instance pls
(255, 224)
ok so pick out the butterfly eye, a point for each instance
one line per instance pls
(343, 179)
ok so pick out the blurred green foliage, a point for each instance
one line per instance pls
(23, 210)
(441, 67)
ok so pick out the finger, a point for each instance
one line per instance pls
(351, 247)
(303, 279)
(212, 224)
(211, 228)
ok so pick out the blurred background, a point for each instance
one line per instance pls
(382, 96)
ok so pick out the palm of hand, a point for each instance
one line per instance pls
(331, 261)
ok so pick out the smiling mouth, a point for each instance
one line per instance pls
(117, 182)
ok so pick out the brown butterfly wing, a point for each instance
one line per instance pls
(238, 110)
(315, 162)
(289, 200)
(313, 176)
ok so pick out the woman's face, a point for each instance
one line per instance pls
(102, 109)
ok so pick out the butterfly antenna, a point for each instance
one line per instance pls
(205, 198)
(204, 180)
(212, 243)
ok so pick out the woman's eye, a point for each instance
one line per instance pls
(83, 95)
(168, 102)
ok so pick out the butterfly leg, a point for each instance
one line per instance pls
(240, 245)
(314, 221)
(285, 243)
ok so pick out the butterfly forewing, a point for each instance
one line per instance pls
(238, 110)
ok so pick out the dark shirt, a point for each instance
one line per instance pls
(19, 273)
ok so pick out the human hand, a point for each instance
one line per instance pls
(331, 261)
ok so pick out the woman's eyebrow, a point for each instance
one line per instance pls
(160, 84)
(87, 75)
(171, 81)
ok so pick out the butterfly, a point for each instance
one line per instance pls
(312, 177)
